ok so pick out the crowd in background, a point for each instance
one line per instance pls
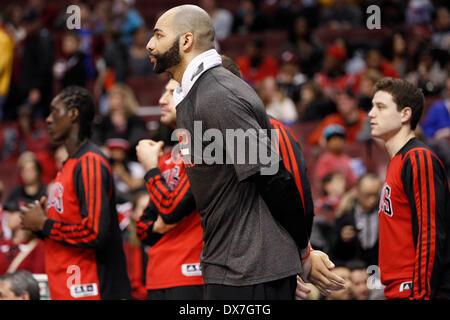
(320, 88)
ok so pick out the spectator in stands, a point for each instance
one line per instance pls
(248, 18)
(393, 12)
(333, 77)
(71, 70)
(134, 251)
(395, 52)
(7, 43)
(358, 280)
(256, 65)
(139, 63)
(19, 285)
(115, 58)
(437, 121)
(127, 19)
(12, 16)
(341, 15)
(121, 120)
(23, 251)
(285, 13)
(356, 230)
(334, 159)
(429, 74)
(87, 39)
(366, 82)
(27, 134)
(333, 188)
(128, 175)
(348, 116)
(60, 155)
(314, 105)
(440, 38)
(31, 187)
(305, 47)
(419, 12)
(36, 61)
(222, 19)
(375, 61)
(277, 104)
(103, 17)
(290, 79)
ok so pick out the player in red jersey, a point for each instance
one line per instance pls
(84, 258)
(414, 213)
(170, 223)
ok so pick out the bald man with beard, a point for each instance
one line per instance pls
(256, 236)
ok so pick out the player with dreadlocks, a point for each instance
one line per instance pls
(84, 258)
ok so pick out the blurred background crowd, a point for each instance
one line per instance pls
(313, 63)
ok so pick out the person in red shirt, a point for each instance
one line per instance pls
(333, 77)
(375, 61)
(23, 251)
(84, 257)
(334, 159)
(348, 116)
(170, 223)
(255, 66)
(414, 221)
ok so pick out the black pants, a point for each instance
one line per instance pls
(282, 289)
(177, 293)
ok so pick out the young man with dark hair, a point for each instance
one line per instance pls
(414, 240)
(84, 255)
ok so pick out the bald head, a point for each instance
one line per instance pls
(193, 19)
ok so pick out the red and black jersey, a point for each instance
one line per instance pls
(414, 215)
(173, 258)
(84, 257)
(292, 155)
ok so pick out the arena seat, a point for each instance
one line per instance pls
(326, 36)
(148, 89)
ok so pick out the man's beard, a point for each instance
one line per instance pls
(167, 59)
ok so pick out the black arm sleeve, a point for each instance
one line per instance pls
(281, 195)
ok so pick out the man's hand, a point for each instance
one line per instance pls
(33, 215)
(317, 270)
(148, 153)
(302, 290)
(159, 226)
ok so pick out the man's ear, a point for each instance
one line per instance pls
(74, 114)
(187, 42)
(406, 114)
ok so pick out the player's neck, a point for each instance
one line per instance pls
(73, 144)
(397, 141)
